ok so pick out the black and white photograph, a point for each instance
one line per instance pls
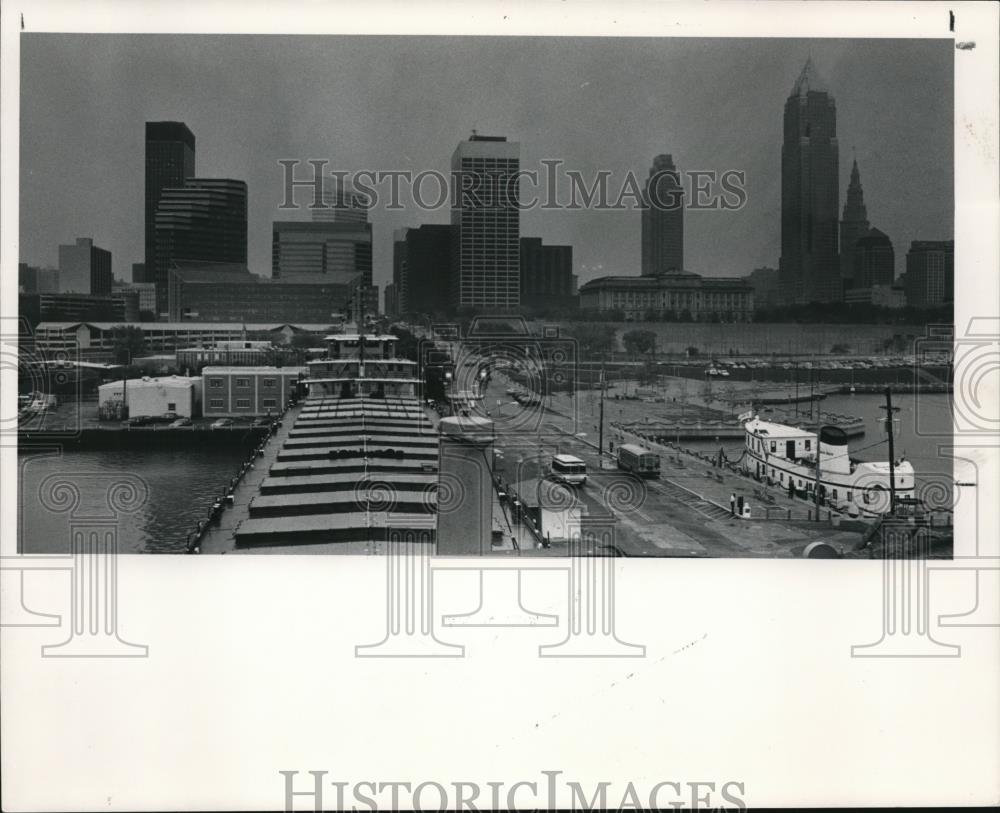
(521, 324)
(704, 322)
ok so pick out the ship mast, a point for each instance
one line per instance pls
(889, 410)
(600, 435)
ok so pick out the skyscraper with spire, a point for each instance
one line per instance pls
(853, 226)
(810, 193)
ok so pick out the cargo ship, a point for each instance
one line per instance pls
(358, 462)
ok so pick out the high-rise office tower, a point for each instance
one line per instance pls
(853, 226)
(486, 259)
(84, 268)
(204, 220)
(930, 273)
(327, 251)
(662, 218)
(341, 204)
(810, 266)
(874, 260)
(169, 163)
(424, 261)
(547, 279)
(400, 287)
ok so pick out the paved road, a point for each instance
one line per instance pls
(680, 514)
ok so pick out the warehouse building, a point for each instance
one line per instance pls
(148, 396)
(233, 392)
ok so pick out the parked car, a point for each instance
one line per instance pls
(180, 422)
(166, 417)
(138, 420)
(223, 423)
(261, 422)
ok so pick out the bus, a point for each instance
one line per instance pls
(639, 461)
(568, 469)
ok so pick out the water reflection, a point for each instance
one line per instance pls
(181, 487)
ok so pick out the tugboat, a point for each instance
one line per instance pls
(787, 457)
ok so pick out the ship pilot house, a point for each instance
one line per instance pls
(360, 366)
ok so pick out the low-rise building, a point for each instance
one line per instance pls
(884, 296)
(145, 290)
(232, 392)
(148, 396)
(680, 295)
(227, 354)
(207, 292)
(38, 308)
(766, 287)
(87, 337)
(34, 280)
(129, 303)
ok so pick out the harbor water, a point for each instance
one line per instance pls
(181, 485)
(923, 425)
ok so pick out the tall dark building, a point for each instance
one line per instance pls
(930, 273)
(203, 220)
(547, 280)
(810, 184)
(169, 163)
(663, 218)
(853, 226)
(487, 223)
(874, 260)
(422, 267)
(400, 300)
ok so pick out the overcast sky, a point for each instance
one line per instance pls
(403, 103)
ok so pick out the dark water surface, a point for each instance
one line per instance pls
(181, 485)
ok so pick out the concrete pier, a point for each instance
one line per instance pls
(465, 504)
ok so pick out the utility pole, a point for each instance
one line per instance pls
(359, 307)
(600, 434)
(889, 411)
(796, 389)
(125, 384)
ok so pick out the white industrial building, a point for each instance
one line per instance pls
(155, 396)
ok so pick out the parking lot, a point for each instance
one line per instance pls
(74, 415)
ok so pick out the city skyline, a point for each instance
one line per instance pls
(602, 106)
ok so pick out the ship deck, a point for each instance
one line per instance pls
(339, 476)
